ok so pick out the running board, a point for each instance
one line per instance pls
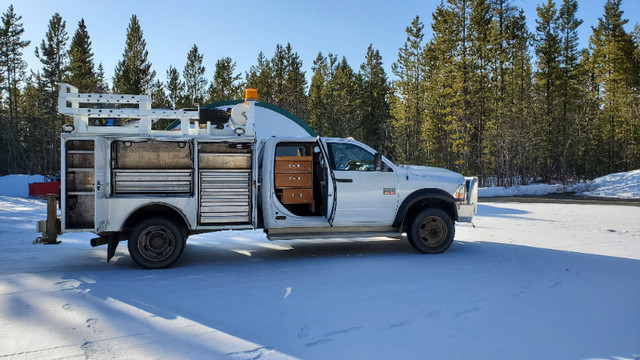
(329, 233)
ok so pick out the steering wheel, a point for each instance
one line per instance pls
(350, 165)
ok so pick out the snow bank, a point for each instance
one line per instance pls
(538, 189)
(18, 185)
(624, 185)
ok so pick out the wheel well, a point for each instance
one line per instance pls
(155, 210)
(447, 206)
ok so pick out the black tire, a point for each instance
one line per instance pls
(156, 242)
(215, 116)
(431, 231)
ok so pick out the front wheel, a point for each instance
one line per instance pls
(156, 243)
(431, 231)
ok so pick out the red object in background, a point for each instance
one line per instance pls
(44, 188)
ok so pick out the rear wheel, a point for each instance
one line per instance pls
(156, 243)
(431, 231)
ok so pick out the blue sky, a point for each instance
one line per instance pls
(241, 28)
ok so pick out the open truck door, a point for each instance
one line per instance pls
(298, 189)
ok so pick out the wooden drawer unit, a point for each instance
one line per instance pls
(284, 181)
(294, 180)
(297, 196)
(293, 164)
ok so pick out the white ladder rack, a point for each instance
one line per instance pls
(138, 107)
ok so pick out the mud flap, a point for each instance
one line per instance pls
(112, 244)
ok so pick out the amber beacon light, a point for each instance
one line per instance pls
(251, 95)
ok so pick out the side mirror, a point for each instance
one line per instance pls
(378, 161)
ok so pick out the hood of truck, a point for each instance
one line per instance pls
(432, 177)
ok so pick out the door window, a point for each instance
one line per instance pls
(345, 156)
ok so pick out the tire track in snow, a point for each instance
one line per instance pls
(328, 337)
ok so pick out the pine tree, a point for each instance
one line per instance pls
(569, 89)
(102, 87)
(375, 121)
(408, 104)
(335, 98)
(462, 81)
(194, 80)
(503, 13)
(52, 52)
(592, 158)
(175, 88)
(13, 66)
(517, 137)
(318, 112)
(260, 77)
(547, 77)
(54, 58)
(633, 152)
(133, 74)
(81, 72)
(343, 102)
(295, 99)
(635, 34)
(498, 130)
(279, 71)
(482, 48)
(612, 50)
(331, 97)
(34, 104)
(225, 85)
(159, 98)
(12, 75)
(280, 80)
(442, 91)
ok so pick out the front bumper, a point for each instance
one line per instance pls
(468, 207)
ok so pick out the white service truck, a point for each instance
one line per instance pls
(234, 166)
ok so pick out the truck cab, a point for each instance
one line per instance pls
(329, 186)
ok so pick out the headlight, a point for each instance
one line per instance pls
(460, 193)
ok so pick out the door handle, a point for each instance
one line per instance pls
(344, 180)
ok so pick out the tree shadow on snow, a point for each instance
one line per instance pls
(497, 211)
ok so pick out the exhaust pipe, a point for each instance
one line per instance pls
(102, 240)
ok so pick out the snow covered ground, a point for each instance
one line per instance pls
(530, 281)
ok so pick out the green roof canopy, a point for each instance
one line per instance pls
(272, 107)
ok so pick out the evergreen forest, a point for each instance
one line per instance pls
(484, 95)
